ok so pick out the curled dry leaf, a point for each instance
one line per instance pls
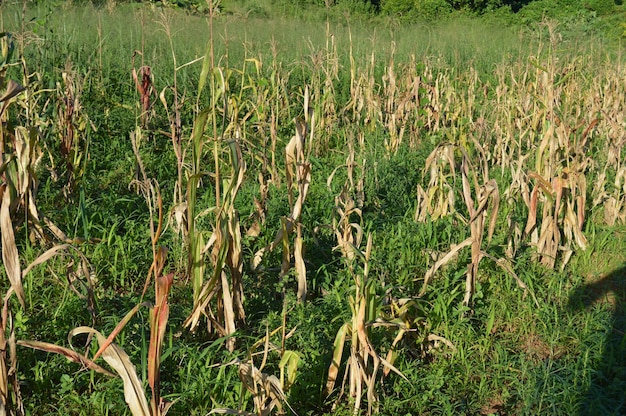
(66, 352)
(134, 393)
(10, 257)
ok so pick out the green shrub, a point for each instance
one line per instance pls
(601, 7)
(431, 9)
(414, 9)
(537, 10)
(398, 7)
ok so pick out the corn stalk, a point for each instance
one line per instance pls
(482, 202)
(364, 365)
(225, 285)
(268, 391)
(297, 176)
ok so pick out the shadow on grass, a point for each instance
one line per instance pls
(606, 394)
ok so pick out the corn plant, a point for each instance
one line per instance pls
(323, 64)
(364, 365)
(298, 176)
(401, 98)
(437, 200)
(363, 109)
(349, 234)
(482, 201)
(225, 286)
(268, 391)
(352, 184)
(16, 187)
(72, 125)
(487, 197)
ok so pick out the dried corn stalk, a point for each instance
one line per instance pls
(267, 390)
(298, 176)
(482, 202)
(437, 200)
(364, 364)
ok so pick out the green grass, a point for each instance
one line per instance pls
(565, 356)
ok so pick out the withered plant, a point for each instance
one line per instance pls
(220, 298)
(437, 200)
(20, 153)
(557, 204)
(173, 107)
(268, 391)
(115, 356)
(365, 366)
(73, 128)
(482, 200)
(145, 87)
(297, 177)
(364, 107)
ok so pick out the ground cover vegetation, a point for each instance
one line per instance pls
(207, 211)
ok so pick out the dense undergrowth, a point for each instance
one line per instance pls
(444, 233)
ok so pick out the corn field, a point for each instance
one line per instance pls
(249, 235)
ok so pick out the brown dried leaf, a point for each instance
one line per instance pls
(158, 323)
(229, 314)
(532, 211)
(68, 353)
(118, 359)
(441, 262)
(300, 267)
(10, 257)
(13, 88)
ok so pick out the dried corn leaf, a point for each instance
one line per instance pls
(118, 359)
(443, 261)
(158, 323)
(68, 353)
(10, 257)
(300, 267)
(338, 346)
